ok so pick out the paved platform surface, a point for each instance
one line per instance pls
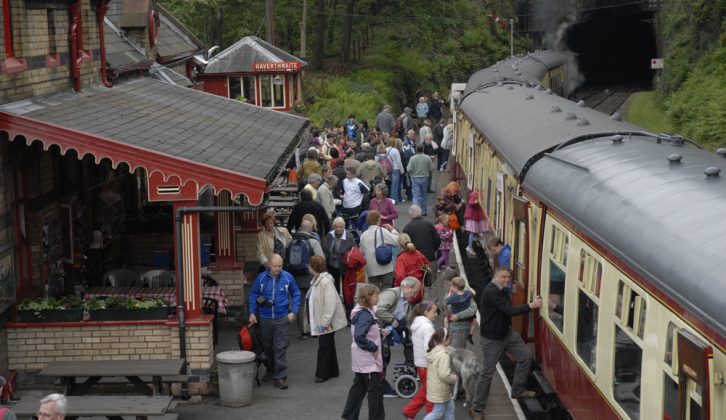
(305, 399)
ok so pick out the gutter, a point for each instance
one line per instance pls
(100, 17)
(180, 212)
(11, 64)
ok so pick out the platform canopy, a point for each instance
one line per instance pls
(174, 133)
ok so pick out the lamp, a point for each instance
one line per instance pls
(277, 80)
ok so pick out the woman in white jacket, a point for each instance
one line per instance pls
(326, 315)
(422, 328)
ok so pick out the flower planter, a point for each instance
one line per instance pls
(51, 315)
(128, 314)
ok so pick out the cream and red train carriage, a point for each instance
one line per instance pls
(622, 229)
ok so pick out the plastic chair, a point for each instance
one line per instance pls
(121, 278)
(158, 278)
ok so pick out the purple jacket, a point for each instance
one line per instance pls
(365, 351)
(387, 209)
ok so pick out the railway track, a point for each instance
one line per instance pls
(605, 100)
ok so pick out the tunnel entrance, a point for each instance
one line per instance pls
(614, 46)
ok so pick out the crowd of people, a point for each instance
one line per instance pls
(343, 260)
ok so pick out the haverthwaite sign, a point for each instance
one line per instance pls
(276, 65)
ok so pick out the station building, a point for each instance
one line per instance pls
(102, 139)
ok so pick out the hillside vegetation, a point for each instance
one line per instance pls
(692, 87)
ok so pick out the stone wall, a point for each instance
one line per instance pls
(31, 347)
(33, 41)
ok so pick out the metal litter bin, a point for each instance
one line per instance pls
(236, 370)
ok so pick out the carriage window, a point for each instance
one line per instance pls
(587, 330)
(626, 378)
(583, 255)
(619, 306)
(641, 318)
(552, 240)
(557, 294)
(669, 344)
(670, 398)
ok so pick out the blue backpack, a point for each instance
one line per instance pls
(409, 149)
(297, 256)
(351, 129)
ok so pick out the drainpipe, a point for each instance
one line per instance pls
(73, 33)
(11, 64)
(100, 16)
(180, 275)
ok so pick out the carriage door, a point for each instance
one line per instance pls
(499, 207)
(695, 363)
(521, 256)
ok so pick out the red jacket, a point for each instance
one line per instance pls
(409, 263)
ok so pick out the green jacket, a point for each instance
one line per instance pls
(465, 314)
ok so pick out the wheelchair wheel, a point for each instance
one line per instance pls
(406, 386)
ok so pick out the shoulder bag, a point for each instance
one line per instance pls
(384, 253)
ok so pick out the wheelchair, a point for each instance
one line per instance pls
(406, 382)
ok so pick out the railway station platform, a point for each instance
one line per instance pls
(305, 399)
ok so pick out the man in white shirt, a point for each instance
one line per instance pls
(354, 191)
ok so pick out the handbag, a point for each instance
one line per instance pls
(279, 246)
(384, 253)
(454, 222)
(427, 276)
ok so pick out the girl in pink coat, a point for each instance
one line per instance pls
(476, 220)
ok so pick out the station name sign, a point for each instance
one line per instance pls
(276, 65)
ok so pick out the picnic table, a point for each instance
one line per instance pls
(95, 370)
(166, 293)
(111, 407)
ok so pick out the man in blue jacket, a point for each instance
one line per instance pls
(277, 298)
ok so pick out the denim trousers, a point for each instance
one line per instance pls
(445, 410)
(396, 185)
(420, 186)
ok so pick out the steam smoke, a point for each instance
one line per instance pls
(554, 18)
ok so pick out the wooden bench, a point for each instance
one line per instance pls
(111, 407)
(95, 370)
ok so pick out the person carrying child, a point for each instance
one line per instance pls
(440, 378)
(462, 308)
(366, 358)
(476, 221)
(447, 239)
(422, 328)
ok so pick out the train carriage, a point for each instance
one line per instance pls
(620, 230)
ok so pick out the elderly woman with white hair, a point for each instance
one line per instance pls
(383, 204)
(335, 244)
(314, 181)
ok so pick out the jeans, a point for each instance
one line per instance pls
(445, 409)
(396, 185)
(443, 158)
(275, 340)
(492, 350)
(420, 187)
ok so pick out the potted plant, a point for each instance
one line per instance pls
(64, 309)
(121, 309)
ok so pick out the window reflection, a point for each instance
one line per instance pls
(626, 378)
(557, 292)
(587, 330)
